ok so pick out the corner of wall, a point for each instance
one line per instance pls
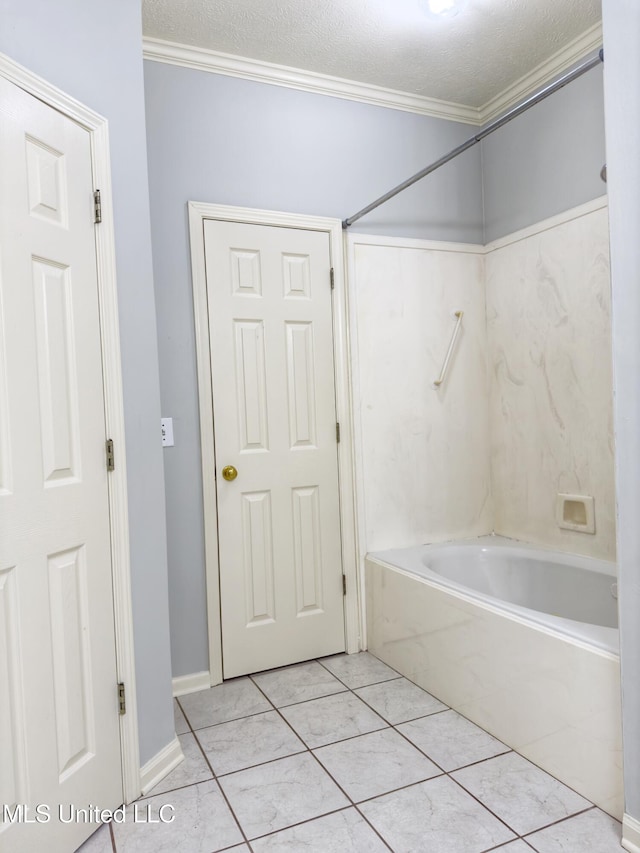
(483, 262)
(482, 194)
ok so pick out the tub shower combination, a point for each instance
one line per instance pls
(522, 641)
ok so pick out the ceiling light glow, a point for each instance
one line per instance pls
(443, 8)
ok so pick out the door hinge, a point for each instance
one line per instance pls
(122, 699)
(344, 584)
(338, 433)
(97, 207)
(332, 278)
(111, 461)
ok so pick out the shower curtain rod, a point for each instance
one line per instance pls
(490, 128)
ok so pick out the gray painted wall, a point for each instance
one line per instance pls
(547, 160)
(622, 93)
(224, 140)
(91, 50)
(229, 141)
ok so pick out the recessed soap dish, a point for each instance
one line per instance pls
(576, 512)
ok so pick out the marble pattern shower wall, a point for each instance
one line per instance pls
(551, 406)
(424, 454)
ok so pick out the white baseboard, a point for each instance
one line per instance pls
(631, 834)
(160, 765)
(191, 683)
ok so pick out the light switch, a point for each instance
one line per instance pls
(167, 431)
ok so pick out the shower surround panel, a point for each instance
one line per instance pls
(551, 399)
(526, 410)
(424, 454)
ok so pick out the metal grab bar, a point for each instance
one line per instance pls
(438, 382)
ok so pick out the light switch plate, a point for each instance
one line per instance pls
(167, 431)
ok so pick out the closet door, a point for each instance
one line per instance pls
(270, 319)
(59, 724)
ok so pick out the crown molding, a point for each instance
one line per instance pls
(542, 74)
(202, 59)
(230, 65)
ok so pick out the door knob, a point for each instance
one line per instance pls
(229, 472)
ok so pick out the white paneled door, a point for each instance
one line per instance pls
(270, 317)
(59, 730)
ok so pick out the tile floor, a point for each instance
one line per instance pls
(343, 754)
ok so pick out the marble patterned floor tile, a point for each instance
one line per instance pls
(514, 847)
(375, 764)
(358, 670)
(341, 832)
(252, 740)
(277, 795)
(521, 794)
(435, 816)
(203, 824)
(193, 769)
(593, 830)
(99, 842)
(298, 683)
(229, 701)
(332, 718)
(400, 700)
(451, 740)
(181, 724)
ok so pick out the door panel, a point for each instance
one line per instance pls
(13, 770)
(58, 684)
(257, 548)
(271, 335)
(57, 382)
(75, 716)
(251, 382)
(300, 387)
(307, 550)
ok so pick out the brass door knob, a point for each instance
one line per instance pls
(229, 472)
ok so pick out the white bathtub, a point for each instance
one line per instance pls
(522, 641)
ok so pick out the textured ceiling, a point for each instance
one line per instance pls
(468, 59)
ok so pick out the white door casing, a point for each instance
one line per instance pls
(60, 395)
(303, 465)
(269, 293)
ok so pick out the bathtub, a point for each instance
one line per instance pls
(522, 641)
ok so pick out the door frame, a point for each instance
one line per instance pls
(97, 127)
(198, 213)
